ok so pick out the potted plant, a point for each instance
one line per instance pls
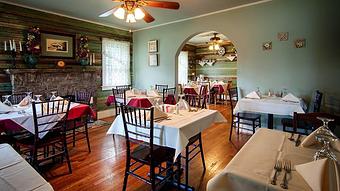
(83, 51)
(32, 47)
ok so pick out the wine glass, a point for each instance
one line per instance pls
(38, 98)
(325, 136)
(7, 102)
(53, 97)
(29, 96)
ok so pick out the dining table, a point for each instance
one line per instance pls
(137, 99)
(270, 105)
(21, 118)
(16, 174)
(252, 168)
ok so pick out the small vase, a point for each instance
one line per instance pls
(31, 60)
(84, 62)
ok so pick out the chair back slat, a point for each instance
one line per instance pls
(52, 113)
(316, 102)
(169, 93)
(311, 121)
(233, 97)
(83, 97)
(136, 118)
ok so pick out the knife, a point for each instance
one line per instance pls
(298, 141)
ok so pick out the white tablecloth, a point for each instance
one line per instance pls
(269, 105)
(252, 168)
(25, 120)
(16, 174)
(175, 133)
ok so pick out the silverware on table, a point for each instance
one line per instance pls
(277, 168)
(287, 167)
(298, 141)
(291, 138)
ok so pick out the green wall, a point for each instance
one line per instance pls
(317, 66)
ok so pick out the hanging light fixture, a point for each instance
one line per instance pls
(139, 14)
(215, 42)
(131, 10)
(120, 13)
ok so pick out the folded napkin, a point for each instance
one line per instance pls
(321, 174)
(157, 114)
(5, 108)
(310, 140)
(24, 101)
(152, 93)
(129, 93)
(183, 105)
(253, 95)
(291, 98)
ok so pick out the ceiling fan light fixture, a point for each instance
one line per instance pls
(211, 47)
(130, 18)
(139, 14)
(120, 13)
(216, 46)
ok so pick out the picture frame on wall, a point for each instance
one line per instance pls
(153, 59)
(55, 45)
(153, 46)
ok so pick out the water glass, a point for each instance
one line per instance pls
(53, 97)
(7, 102)
(38, 98)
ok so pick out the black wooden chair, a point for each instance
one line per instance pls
(145, 153)
(199, 100)
(119, 93)
(83, 97)
(169, 96)
(160, 88)
(39, 150)
(311, 122)
(314, 107)
(243, 118)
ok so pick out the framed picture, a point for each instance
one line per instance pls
(153, 59)
(57, 45)
(153, 46)
(283, 36)
(300, 43)
(267, 46)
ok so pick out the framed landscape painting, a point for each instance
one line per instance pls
(57, 45)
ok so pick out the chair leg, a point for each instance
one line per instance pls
(67, 156)
(201, 150)
(116, 109)
(153, 178)
(186, 167)
(87, 137)
(74, 133)
(127, 168)
(231, 127)
(254, 127)
(238, 126)
(179, 171)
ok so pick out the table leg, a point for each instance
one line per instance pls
(270, 121)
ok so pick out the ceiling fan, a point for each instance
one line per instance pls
(134, 9)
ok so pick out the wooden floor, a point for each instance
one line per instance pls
(103, 168)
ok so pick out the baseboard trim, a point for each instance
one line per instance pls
(106, 113)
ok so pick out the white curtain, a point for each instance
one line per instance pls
(116, 63)
(183, 67)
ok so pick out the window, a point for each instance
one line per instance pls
(183, 67)
(116, 63)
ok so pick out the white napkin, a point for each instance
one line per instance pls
(291, 98)
(253, 95)
(321, 174)
(157, 114)
(183, 105)
(24, 101)
(310, 140)
(5, 108)
(129, 93)
(152, 93)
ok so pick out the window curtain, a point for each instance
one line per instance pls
(183, 67)
(116, 63)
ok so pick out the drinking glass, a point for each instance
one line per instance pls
(325, 136)
(284, 92)
(7, 102)
(53, 97)
(29, 96)
(38, 98)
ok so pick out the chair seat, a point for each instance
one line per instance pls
(248, 116)
(161, 154)
(49, 138)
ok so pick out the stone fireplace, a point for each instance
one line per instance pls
(43, 81)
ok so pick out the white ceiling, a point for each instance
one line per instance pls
(203, 38)
(90, 9)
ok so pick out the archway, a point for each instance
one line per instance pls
(210, 56)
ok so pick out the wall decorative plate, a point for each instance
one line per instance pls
(283, 36)
(61, 64)
(221, 51)
(300, 43)
(267, 46)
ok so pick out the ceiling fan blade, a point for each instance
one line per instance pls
(108, 13)
(147, 18)
(163, 4)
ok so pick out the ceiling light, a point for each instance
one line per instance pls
(211, 47)
(120, 13)
(216, 46)
(130, 18)
(139, 14)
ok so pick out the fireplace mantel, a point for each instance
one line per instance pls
(42, 81)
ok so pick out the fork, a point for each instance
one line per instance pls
(278, 168)
(287, 168)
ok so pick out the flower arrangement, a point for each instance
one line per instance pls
(33, 41)
(83, 50)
